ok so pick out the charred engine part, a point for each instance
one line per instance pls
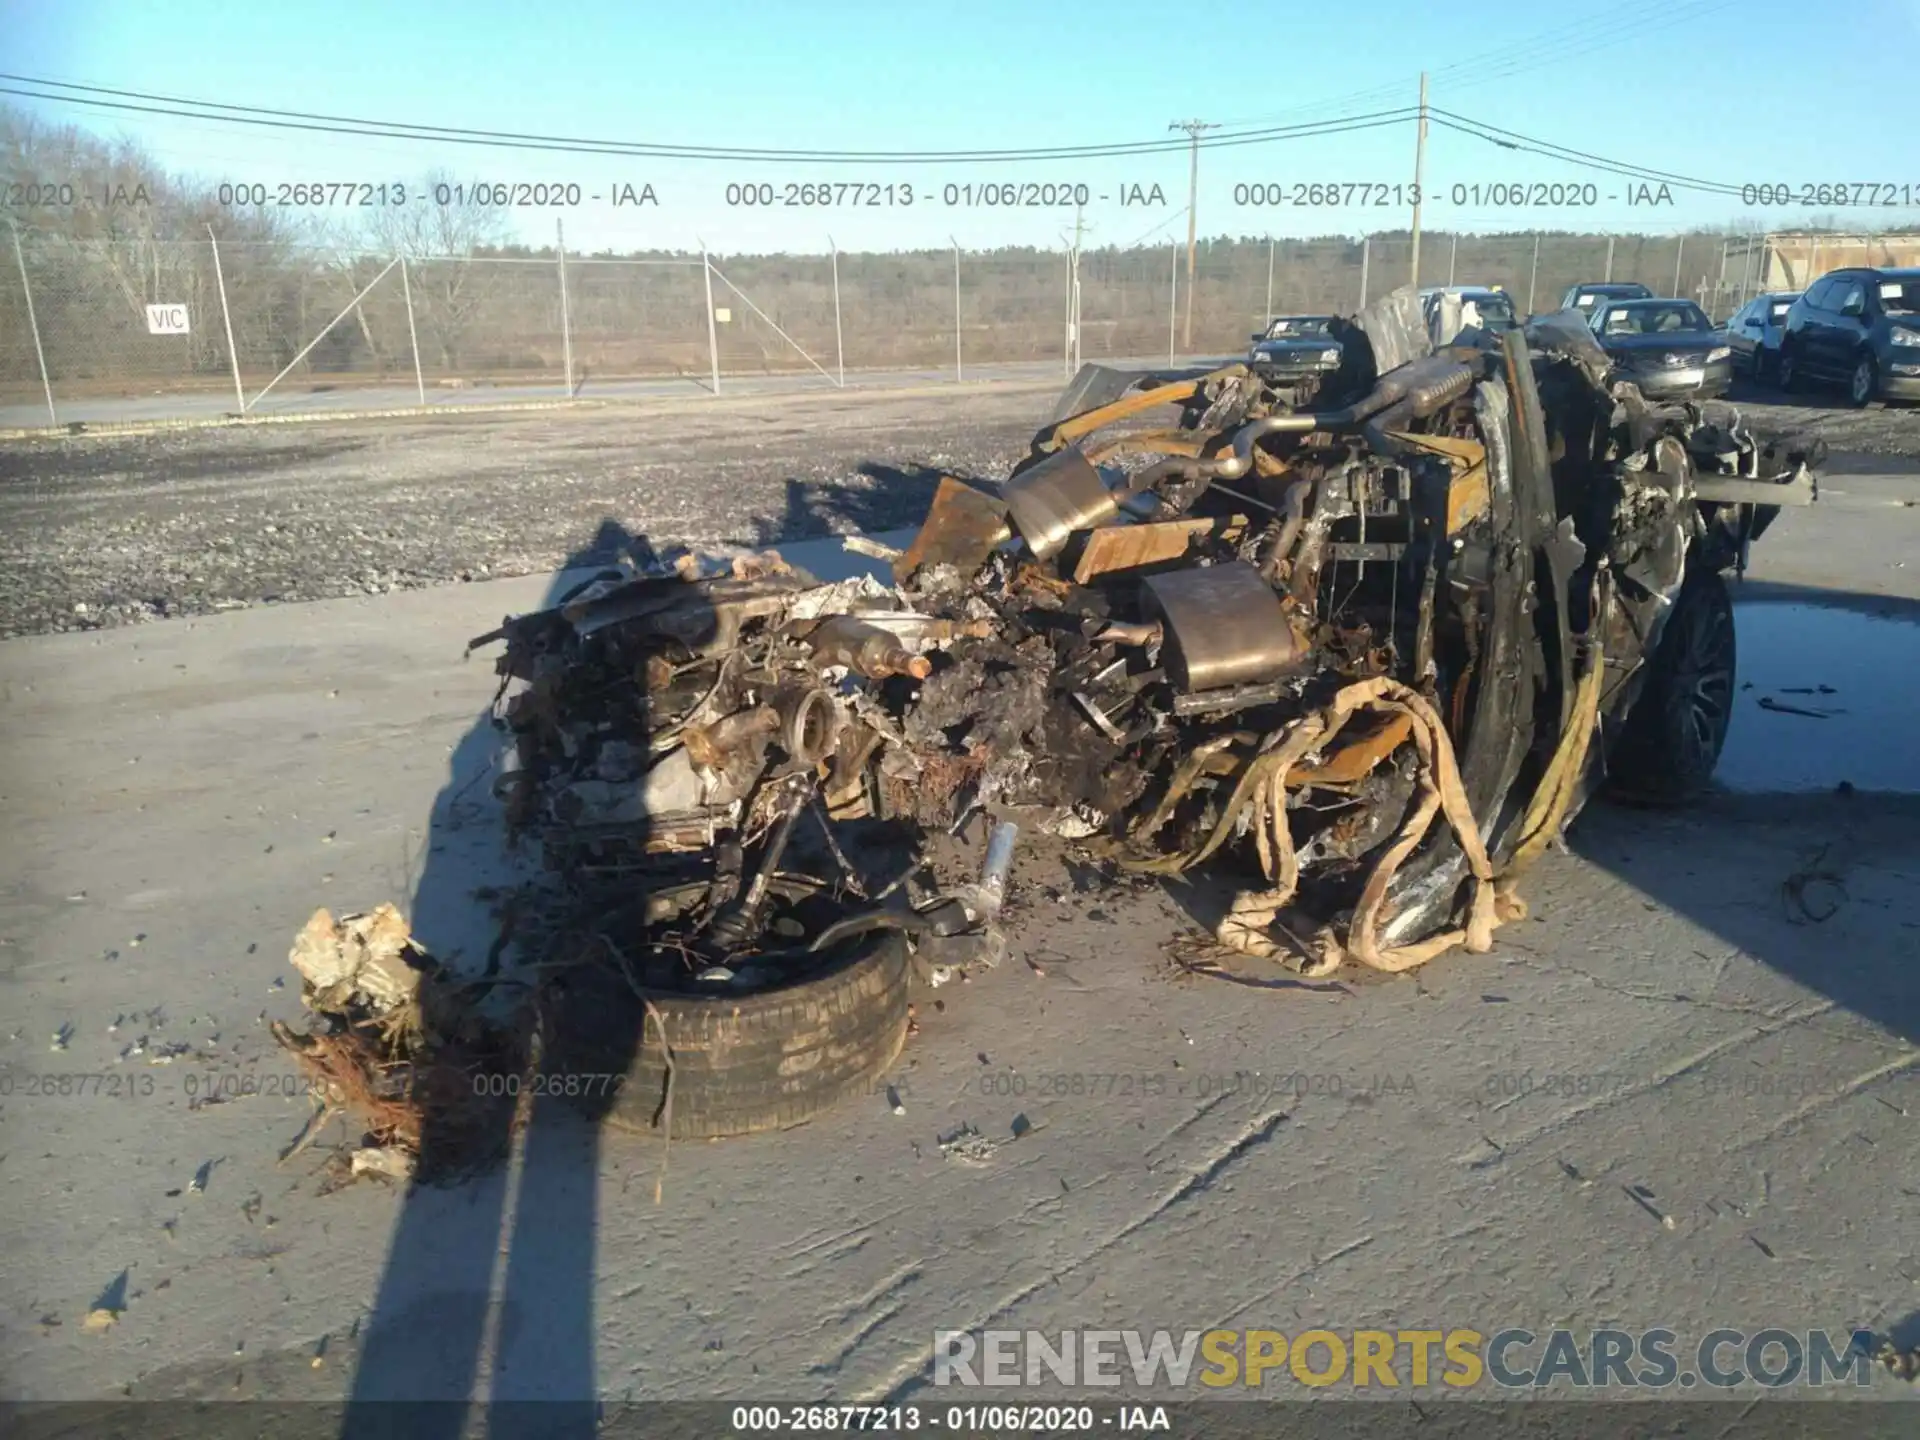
(1057, 496)
(1145, 634)
(1224, 626)
(741, 921)
(801, 719)
(1220, 702)
(1421, 556)
(867, 649)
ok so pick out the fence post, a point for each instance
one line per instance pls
(1453, 256)
(1267, 314)
(1173, 301)
(413, 335)
(46, 384)
(226, 317)
(959, 365)
(1366, 256)
(1746, 274)
(1678, 251)
(1609, 274)
(1533, 276)
(566, 324)
(713, 335)
(839, 347)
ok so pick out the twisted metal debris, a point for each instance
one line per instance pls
(1213, 618)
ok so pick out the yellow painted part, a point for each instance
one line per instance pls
(1068, 431)
(1468, 496)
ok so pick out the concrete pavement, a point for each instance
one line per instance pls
(1666, 1100)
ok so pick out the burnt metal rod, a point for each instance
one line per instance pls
(741, 920)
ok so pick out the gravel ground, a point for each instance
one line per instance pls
(1884, 430)
(103, 531)
(100, 531)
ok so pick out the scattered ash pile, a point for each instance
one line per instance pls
(401, 1046)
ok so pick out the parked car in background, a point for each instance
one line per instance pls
(1487, 307)
(1669, 348)
(1754, 332)
(1584, 297)
(1295, 347)
(1859, 327)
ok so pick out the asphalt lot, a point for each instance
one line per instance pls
(101, 530)
(1728, 1139)
(309, 398)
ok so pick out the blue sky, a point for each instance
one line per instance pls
(1729, 90)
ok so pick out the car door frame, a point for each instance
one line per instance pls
(1808, 353)
(1745, 326)
(1848, 332)
(1857, 331)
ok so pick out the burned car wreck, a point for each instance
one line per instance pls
(1367, 657)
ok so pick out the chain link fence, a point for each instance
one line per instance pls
(271, 329)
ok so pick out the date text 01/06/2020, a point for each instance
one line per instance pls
(975, 195)
(482, 194)
(138, 1085)
(1492, 194)
(953, 1419)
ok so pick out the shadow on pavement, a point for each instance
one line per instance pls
(427, 1341)
(891, 499)
(494, 1277)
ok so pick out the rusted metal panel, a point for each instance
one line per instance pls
(1132, 547)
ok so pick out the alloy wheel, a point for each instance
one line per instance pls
(1861, 389)
(1703, 681)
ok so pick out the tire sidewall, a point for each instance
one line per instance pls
(1661, 759)
(1868, 366)
(741, 1063)
(1704, 605)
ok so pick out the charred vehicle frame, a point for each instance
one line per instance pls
(1376, 653)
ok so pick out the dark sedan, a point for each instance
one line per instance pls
(1669, 348)
(1755, 331)
(1296, 346)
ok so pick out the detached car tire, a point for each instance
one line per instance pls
(1672, 737)
(741, 1063)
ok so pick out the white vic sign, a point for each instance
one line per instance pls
(166, 320)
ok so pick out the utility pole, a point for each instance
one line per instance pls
(1073, 291)
(1193, 129)
(566, 323)
(1419, 170)
(959, 365)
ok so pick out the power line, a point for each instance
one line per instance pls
(1513, 140)
(1194, 138)
(279, 119)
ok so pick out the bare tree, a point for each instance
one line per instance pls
(438, 230)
